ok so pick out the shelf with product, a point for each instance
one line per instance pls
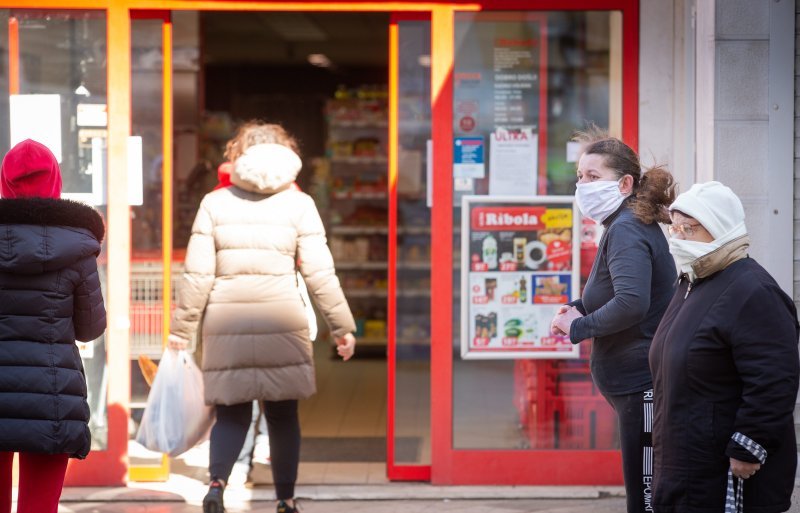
(414, 234)
(354, 182)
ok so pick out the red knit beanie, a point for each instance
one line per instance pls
(30, 169)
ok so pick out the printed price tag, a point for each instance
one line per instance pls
(480, 341)
(480, 267)
(509, 300)
(508, 266)
(480, 300)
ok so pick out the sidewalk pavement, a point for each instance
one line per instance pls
(181, 495)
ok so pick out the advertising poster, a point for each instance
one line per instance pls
(519, 264)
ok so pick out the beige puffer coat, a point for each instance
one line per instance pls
(240, 279)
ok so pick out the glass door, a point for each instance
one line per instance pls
(150, 182)
(512, 87)
(408, 416)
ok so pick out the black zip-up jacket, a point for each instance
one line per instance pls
(49, 297)
(629, 287)
(725, 360)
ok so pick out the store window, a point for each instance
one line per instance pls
(53, 89)
(524, 82)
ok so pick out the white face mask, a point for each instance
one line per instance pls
(687, 251)
(598, 200)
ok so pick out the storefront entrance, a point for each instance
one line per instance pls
(393, 172)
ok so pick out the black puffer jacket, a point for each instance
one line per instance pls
(49, 297)
(725, 360)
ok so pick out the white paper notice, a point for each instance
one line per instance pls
(135, 181)
(37, 117)
(513, 163)
(573, 151)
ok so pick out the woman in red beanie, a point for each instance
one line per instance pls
(49, 297)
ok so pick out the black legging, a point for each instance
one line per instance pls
(283, 426)
(635, 416)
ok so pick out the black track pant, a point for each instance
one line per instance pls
(635, 416)
(283, 426)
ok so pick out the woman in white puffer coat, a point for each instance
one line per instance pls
(241, 279)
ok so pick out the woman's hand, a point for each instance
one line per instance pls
(743, 469)
(563, 320)
(554, 329)
(346, 346)
(177, 343)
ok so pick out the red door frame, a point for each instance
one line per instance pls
(450, 466)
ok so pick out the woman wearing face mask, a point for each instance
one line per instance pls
(725, 369)
(629, 287)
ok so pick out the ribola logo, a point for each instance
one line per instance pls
(491, 219)
(507, 218)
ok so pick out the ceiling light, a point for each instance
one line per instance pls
(424, 61)
(82, 91)
(320, 60)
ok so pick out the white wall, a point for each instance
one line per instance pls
(666, 87)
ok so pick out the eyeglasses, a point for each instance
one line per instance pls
(685, 229)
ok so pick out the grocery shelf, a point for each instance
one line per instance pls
(360, 195)
(414, 293)
(357, 123)
(360, 160)
(372, 341)
(358, 230)
(365, 293)
(362, 266)
(414, 265)
(360, 293)
(374, 230)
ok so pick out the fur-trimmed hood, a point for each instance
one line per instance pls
(266, 168)
(43, 234)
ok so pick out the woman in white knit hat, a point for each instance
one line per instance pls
(240, 288)
(725, 368)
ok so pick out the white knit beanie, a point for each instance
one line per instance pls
(716, 207)
(266, 168)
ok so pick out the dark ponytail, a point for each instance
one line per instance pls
(653, 190)
(655, 194)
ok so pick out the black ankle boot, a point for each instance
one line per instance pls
(212, 503)
(285, 508)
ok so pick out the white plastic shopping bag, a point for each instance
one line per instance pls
(175, 418)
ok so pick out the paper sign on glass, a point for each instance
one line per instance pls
(468, 158)
(513, 162)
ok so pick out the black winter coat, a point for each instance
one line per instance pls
(49, 297)
(725, 360)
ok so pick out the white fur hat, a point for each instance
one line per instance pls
(266, 168)
(715, 206)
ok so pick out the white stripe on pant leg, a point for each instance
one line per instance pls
(647, 451)
(647, 462)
